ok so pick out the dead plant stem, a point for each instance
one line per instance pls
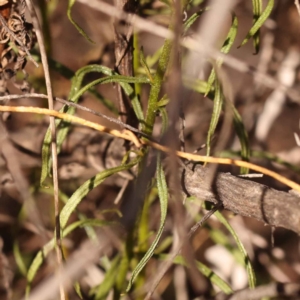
(44, 59)
(128, 135)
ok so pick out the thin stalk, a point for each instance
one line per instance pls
(40, 39)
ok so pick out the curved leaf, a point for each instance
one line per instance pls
(163, 198)
(19, 259)
(192, 19)
(80, 30)
(217, 109)
(247, 262)
(254, 31)
(67, 210)
(74, 96)
(225, 49)
(109, 280)
(207, 272)
(42, 254)
(86, 187)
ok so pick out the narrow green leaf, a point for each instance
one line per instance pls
(114, 79)
(77, 289)
(214, 278)
(201, 87)
(165, 119)
(124, 265)
(250, 271)
(145, 65)
(163, 198)
(156, 87)
(69, 74)
(86, 187)
(225, 49)
(206, 271)
(36, 263)
(86, 222)
(64, 198)
(164, 101)
(257, 25)
(101, 292)
(192, 19)
(151, 60)
(67, 210)
(19, 259)
(196, 85)
(42, 254)
(257, 11)
(80, 30)
(243, 137)
(143, 226)
(217, 109)
(75, 94)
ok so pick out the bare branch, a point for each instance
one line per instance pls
(44, 58)
(246, 198)
(269, 290)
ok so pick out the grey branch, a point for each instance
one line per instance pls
(245, 198)
(269, 290)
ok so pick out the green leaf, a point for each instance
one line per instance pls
(85, 223)
(156, 87)
(77, 289)
(201, 87)
(165, 119)
(243, 137)
(151, 60)
(80, 30)
(247, 262)
(257, 11)
(75, 94)
(145, 65)
(101, 291)
(86, 187)
(36, 263)
(225, 49)
(197, 85)
(254, 31)
(67, 210)
(42, 254)
(163, 198)
(217, 109)
(214, 278)
(164, 101)
(192, 19)
(206, 271)
(69, 74)
(19, 259)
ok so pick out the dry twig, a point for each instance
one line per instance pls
(44, 58)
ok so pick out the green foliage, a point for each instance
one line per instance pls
(163, 198)
(135, 252)
(75, 93)
(259, 18)
(246, 260)
(207, 272)
(80, 30)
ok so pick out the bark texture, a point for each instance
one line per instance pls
(245, 197)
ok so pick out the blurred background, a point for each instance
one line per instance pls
(270, 116)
